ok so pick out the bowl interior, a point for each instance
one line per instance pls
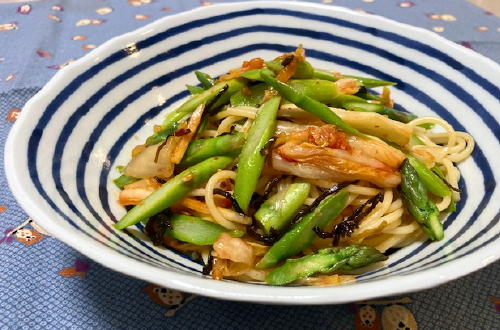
(93, 113)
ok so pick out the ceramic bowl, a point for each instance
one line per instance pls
(62, 152)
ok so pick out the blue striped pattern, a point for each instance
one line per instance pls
(454, 246)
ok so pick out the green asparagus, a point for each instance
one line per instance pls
(124, 180)
(318, 109)
(277, 211)
(304, 69)
(173, 190)
(205, 80)
(251, 158)
(190, 105)
(253, 99)
(323, 91)
(202, 149)
(431, 180)
(196, 231)
(195, 89)
(301, 235)
(417, 202)
(367, 82)
(326, 261)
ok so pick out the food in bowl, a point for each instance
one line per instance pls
(284, 173)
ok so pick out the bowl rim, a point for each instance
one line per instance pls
(231, 290)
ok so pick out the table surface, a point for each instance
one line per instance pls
(46, 284)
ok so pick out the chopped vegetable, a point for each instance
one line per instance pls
(431, 180)
(124, 180)
(173, 190)
(202, 149)
(323, 91)
(377, 125)
(367, 82)
(252, 97)
(325, 261)
(205, 80)
(196, 231)
(301, 234)
(356, 103)
(417, 202)
(195, 89)
(190, 105)
(308, 104)
(277, 211)
(251, 159)
(404, 117)
(153, 161)
(234, 249)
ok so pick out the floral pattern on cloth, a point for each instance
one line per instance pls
(67, 290)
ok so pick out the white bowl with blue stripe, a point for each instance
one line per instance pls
(62, 152)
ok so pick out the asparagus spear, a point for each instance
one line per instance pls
(356, 103)
(431, 180)
(304, 69)
(320, 90)
(205, 80)
(325, 261)
(417, 202)
(363, 106)
(305, 102)
(195, 89)
(453, 204)
(172, 119)
(277, 211)
(301, 235)
(173, 190)
(251, 99)
(202, 149)
(401, 116)
(367, 82)
(323, 91)
(196, 230)
(163, 134)
(304, 73)
(251, 158)
(366, 95)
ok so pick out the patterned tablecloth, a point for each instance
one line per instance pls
(45, 284)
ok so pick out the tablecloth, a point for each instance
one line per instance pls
(45, 284)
